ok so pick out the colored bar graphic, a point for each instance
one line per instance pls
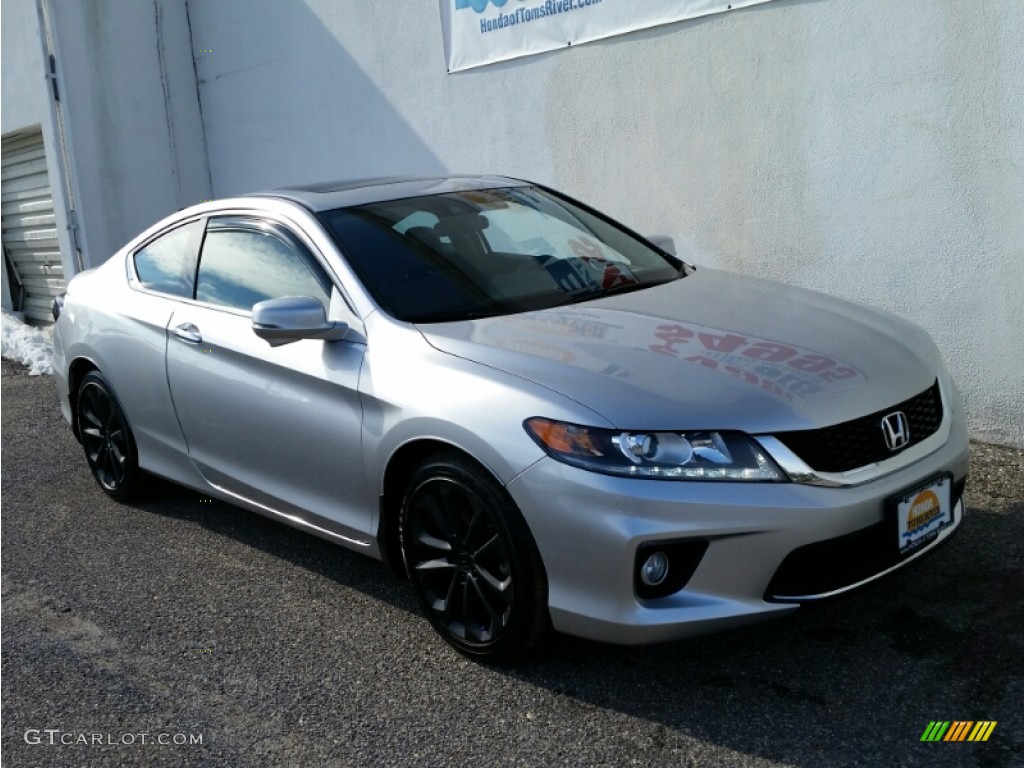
(935, 730)
(959, 730)
(982, 730)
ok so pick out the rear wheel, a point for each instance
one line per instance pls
(107, 439)
(472, 562)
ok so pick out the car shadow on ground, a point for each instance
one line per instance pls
(855, 680)
(295, 546)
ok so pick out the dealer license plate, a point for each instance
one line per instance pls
(923, 512)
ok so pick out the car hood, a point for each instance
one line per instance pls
(714, 350)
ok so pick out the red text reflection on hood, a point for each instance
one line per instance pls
(785, 370)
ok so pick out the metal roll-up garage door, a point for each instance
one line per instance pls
(29, 227)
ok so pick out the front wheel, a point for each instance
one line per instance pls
(107, 439)
(472, 561)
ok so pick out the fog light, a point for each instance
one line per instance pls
(654, 570)
(662, 568)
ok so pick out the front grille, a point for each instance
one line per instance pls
(860, 442)
(827, 566)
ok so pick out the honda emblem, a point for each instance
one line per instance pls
(896, 430)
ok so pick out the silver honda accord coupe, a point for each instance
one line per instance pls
(540, 418)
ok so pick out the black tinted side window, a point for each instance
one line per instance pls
(240, 266)
(167, 264)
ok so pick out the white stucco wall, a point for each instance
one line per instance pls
(21, 67)
(867, 148)
(27, 104)
(132, 113)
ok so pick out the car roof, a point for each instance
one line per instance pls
(325, 196)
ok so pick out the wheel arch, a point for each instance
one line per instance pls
(400, 468)
(77, 370)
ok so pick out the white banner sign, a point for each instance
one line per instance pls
(478, 32)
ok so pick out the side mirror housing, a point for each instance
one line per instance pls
(291, 318)
(664, 242)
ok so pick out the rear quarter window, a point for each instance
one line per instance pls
(167, 264)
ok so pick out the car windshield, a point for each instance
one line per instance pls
(480, 253)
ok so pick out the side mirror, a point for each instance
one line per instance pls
(290, 318)
(664, 242)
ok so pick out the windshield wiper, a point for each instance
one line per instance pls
(600, 293)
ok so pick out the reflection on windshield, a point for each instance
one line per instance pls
(490, 252)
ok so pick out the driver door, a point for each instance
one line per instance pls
(278, 427)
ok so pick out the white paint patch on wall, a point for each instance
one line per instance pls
(867, 148)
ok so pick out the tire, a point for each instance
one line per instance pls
(107, 439)
(472, 562)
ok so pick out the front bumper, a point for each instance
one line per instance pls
(589, 527)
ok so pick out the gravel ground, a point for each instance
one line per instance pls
(184, 616)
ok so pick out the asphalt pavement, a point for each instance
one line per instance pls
(181, 631)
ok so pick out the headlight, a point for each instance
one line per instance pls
(726, 456)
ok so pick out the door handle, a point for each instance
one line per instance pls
(188, 332)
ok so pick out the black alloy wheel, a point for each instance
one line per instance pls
(107, 439)
(472, 562)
